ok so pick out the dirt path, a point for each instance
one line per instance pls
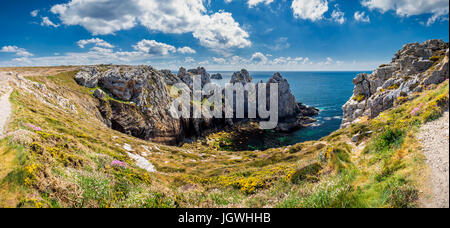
(5, 106)
(434, 137)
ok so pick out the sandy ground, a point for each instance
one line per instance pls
(434, 137)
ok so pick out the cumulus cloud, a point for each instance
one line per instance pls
(438, 8)
(18, 51)
(153, 47)
(96, 42)
(34, 13)
(259, 58)
(216, 31)
(252, 3)
(219, 60)
(338, 16)
(189, 60)
(186, 50)
(309, 9)
(361, 17)
(291, 61)
(47, 22)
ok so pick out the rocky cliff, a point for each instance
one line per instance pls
(413, 68)
(136, 101)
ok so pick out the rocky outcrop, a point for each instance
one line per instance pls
(187, 76)
(412, 69)
(135, 100)
(217, 76)
(88, 76)
(242, 76)
(291, 115)
(139, 101)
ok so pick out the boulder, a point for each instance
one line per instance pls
(98, 93)
(88, 77)
(217, 76)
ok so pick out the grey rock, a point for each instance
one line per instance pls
(242, 76)
(356, 138)
(98, 93)
(217, 76)
(287, 106)
(410, 70)
(88, 77)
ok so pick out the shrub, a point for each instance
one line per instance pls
(359, 97)
(388, 139)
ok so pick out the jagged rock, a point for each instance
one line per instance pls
(410, 71)
(287, 106)
(98, 93)
(217, 76)
(170, 78)
(88, 77)
(242, 76)
(141, 103)
(187, 76)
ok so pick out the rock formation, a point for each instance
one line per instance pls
(187, 76)
(412, 69)
(136, 101)
(217, 76)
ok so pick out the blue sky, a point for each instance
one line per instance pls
(218, 34)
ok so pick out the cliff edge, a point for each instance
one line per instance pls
(413, 68)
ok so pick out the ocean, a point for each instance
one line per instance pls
(327, 91)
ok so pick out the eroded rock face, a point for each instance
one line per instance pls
(412, 69)
(242, 76)
(135, 100)
(287, 107)
(141, 102)
(187, 76)
(88, 77)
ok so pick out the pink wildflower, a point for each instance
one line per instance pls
(119, 164)
(416, 110)
(34, 127)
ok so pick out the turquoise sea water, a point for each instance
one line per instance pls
(327, 91)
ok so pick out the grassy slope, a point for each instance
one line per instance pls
(68, 163)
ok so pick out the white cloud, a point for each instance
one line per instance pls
(291, 61)
(221, 32)
(189, 60)
(34, 13)
(186, 50)
(362, 17)
(309, 9)
(258, 58)
(47, 22)
(338, 16)
(216, 31)
(153, 47)
(18, 51)
(219, 60)
(96, 42)
(438, 8)
(252, 3)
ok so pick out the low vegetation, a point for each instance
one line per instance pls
(59, 158)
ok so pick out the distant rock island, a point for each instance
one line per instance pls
(217, 76)
(135, 100)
